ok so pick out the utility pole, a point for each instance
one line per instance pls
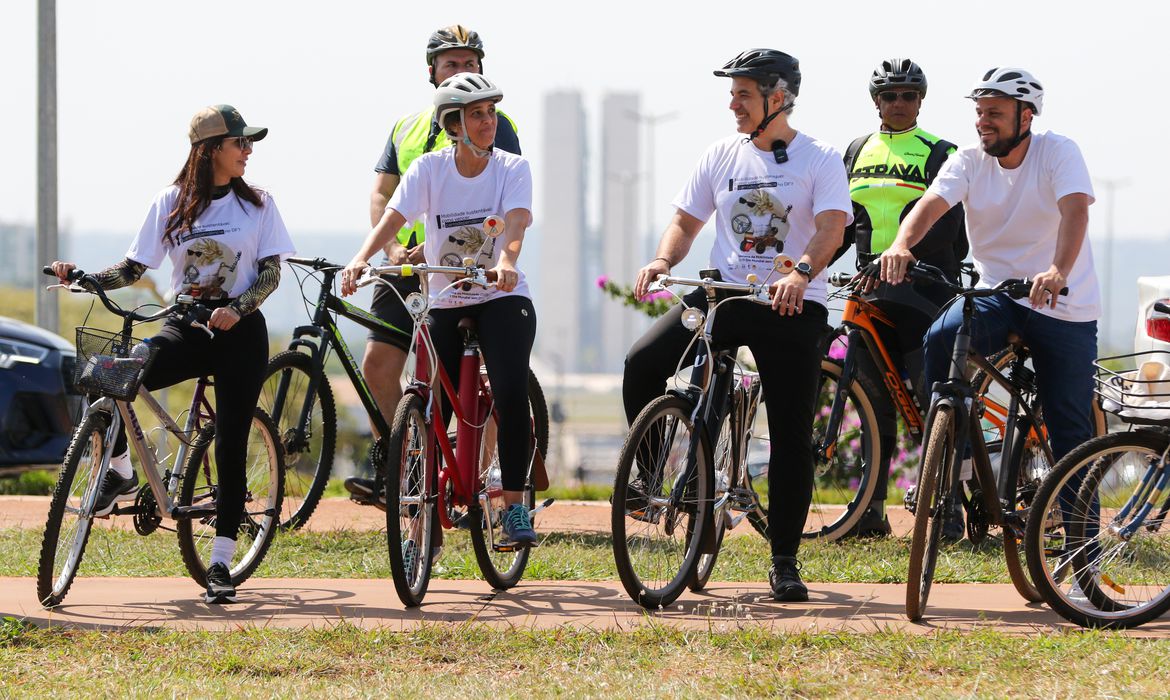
(651, 122)
(46, 231)
(1111, 185)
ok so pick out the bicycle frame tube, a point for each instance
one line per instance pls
(862, 316)
(1153, 486)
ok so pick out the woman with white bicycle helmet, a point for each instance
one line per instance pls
(454, 190)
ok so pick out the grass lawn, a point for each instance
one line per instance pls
(478, 661)
(561, 556)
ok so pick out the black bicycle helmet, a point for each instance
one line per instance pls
(766, 66)
(454, 37)
(897, 73)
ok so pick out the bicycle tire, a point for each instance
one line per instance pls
(1032, 465)
(538, 408)
(308, 459)
(410, 508)
(75, 486)
(264, 465)
(651, 580)
(844, 485)
(1100, 593)
(726, 460)
(935, 485)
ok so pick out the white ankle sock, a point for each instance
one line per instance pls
(121, 465)
(222, 551)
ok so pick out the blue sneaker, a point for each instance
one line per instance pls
(517, 526)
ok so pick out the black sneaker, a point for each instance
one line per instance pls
(219, 585)
(115, 488)
(953, 527)
(871, 524)
(637, 502)
(784, 577)
(361, 491)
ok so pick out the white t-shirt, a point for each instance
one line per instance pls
(763, 208)
(1013, 218)
(216, 258)
(455, 208)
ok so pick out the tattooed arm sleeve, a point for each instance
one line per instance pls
(265, 284)
(121, 275)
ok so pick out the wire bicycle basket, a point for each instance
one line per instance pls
(111, 364)
(1140, 395)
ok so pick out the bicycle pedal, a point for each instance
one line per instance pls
(514, 546)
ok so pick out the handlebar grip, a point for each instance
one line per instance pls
(840, 279)
(74, 274)
(491, 276)
(201, 313)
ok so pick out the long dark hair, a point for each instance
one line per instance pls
(195, 184)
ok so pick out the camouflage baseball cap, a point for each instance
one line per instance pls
(221, 120)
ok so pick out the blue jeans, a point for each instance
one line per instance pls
(1062, 354)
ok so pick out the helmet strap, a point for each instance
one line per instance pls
(769, 117)
(1017, 139)
(480, 152)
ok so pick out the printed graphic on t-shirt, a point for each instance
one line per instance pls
(209, 269)
(759, 217)
(461, 237)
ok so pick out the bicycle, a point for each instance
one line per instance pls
(953, 425)
(298, 396)
(848, 445)
(428, 474)
(1098, 551)
(683, 476)
(111, 366)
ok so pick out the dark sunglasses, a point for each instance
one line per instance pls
(242, 142)
(907, 96)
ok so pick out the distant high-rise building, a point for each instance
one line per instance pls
(18, 250)
(620, 227)
(563, 337)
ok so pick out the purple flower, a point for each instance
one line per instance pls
(837, 349)
(655, 296)
(602, 281)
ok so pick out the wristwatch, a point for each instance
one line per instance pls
(804, 269)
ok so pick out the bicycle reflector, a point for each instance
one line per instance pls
(493, 226)
(692, 319)
(783, 263)
(1158, 323)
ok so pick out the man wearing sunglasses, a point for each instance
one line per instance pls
(889, 170)
(450, 50)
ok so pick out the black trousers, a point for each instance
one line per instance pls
(236, 360)
(787, 350)
(506, 328)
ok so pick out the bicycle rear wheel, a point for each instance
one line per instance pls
(264, 470)
(1095, 562)
(309, 448)
(1032, 465)
(935, 488)
(661, 502)
(845, 482)
(410, 507)
(70, 512)
(726, 472)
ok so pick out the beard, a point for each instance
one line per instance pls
(999, 148)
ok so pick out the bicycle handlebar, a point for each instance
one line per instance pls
(474, 275)
(190, 311)
(1016, 288)
(754, 290)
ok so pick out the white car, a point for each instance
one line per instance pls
(1153, 323)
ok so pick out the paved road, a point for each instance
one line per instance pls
(297, 603)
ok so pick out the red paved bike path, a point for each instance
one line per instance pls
(297, 603)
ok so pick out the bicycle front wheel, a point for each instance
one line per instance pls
(935, 487)
(264, 481)
(308, 448)
(71, 510)
(846, 477)
(1032, 465)
(410, 506)
(661, 502)
(1098, 557)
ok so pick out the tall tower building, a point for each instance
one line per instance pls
(620, 226)
(563, 338)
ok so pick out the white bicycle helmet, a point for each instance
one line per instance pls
(460, 90)
(1016, 83)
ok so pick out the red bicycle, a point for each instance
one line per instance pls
(453, 478)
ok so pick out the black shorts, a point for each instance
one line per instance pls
(387, 307)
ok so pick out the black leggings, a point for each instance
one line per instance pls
(236, 360)
(787, 350)
(506, 328)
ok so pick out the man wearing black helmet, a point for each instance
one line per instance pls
(889, 170)
(1026, 197)
(771, 189)
(450, 50)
